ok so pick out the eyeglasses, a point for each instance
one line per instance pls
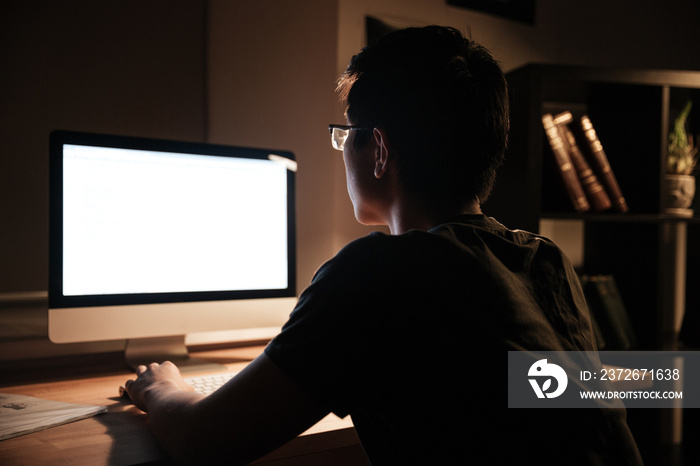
(339, 133)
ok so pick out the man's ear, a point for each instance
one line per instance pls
(382, 153)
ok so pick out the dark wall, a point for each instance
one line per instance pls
(129, 67)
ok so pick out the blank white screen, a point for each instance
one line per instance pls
(152, 222)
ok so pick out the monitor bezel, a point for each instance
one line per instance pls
(58, 300)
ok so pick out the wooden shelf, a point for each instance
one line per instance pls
(652, 255)
(613, 217)
(632, 111)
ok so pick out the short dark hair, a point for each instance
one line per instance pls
(442, 100)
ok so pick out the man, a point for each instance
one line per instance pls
(408, 332)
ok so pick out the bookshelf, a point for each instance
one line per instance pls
(651, 254)
(654, 257)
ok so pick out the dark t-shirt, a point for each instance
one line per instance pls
(409, 335)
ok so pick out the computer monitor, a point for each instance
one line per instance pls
(151, 240)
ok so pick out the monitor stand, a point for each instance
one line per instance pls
(143, 351)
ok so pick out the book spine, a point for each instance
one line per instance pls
(604, 300)
(561, 155)
(600, 161)
(601, 343)
(618, 311)
(595, 192)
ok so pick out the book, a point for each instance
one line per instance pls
(606, 306)
(562, 159)
(20, 414)
(595, 192)
(601, 342)
(601, 165)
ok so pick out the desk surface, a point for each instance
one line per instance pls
(121, 436)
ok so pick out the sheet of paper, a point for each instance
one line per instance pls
(20, 414)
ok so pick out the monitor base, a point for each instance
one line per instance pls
(144, 351)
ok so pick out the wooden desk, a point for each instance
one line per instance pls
(122, 437)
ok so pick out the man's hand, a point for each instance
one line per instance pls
(155, 381)
(252, 414)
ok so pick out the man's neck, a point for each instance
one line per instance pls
(412, 216)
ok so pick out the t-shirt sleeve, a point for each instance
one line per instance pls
(318, 347)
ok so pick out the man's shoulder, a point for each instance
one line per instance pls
(359, 249)
(481, 231)
(466, 238)
(378, 243)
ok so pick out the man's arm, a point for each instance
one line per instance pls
(254, 413)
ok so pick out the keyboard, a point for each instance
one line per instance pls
(208, 384)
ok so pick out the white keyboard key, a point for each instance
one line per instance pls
(208, 384)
